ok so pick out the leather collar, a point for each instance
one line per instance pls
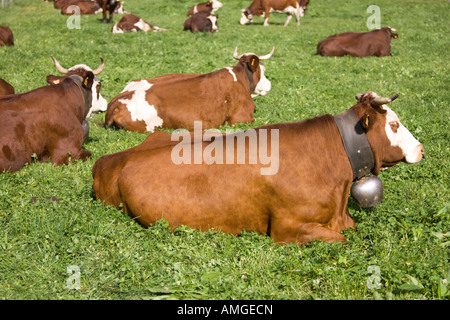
(86, 93)
(356, 144)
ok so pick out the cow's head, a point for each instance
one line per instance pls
(303, 7)
(215, 5)
(261, 85)
(99, 104)
(246, 16)
(214, 19)
(390, 141)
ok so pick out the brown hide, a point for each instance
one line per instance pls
(59, 4)
(358, 44)
(5, 88)
(180, 99)
(6, 36)
(305, 200)
(43, 124)
(201, 7)
(200, 22)
(86, 7)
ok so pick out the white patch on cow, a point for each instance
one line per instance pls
(230, 70)
(289, 10)
(244, 19)
(195, 9)
(138, 106)
(116, 29)
(141, 24)
(213, 20)
(216, 5)
(411, 148)
(263, 86)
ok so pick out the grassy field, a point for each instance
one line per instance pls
(402, 244)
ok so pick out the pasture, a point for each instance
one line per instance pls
(400, 249)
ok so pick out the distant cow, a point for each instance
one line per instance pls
(45, 123)
(132, 23)
(85, 8)
(264, 7)
(108, 6)
(210, 7)
(59, 4)
(5, 88)
(202, 22)
(305, 199)
(6, 36)
(358, 44)
(98, 102)
(177, 100)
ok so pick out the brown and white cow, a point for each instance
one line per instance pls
(358, 44)
(210, 7)
(202, 22)
(132, 23)
(6, 88)
(303, 198)
(177, 100)
(84, 8)
(6, 36)
(109, 6)
(99, 103)
(45, 123)
(59, 4)
(264, 7)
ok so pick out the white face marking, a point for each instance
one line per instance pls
(213, 20)
(230, 70)
(403, 139)
(216, 5)
(195, 9)
(138, 105)
(263, 85)
(244, 19)
(116, 29)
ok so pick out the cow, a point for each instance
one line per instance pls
(202, 22)
(45, 123)
(358, 44)
(6, 36)
(84, 7)
(99, 103)
(177, 100)
(210, 7)
(6, 88)
(131, 23)
(264, 7)
(305, 198)
(109, 6)
(59, 4)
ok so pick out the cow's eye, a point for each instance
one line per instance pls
(394, 126)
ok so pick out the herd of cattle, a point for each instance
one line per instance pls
(148, 185)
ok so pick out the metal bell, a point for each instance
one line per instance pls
(367, 191)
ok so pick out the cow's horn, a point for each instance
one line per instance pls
(380, 101)
(58, 66)
(235, 54)
(100, 68)
(267, 56)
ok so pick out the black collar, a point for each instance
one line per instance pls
(356, 144)
(86, 93)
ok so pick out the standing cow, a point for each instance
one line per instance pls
(304, 199)
(264, 7)
(108, 7)
(210, 7)
(99, 104)
(45, 123)
(177, 100)
(358, 44)
(6, 36)
(202, 22)
(5, 88)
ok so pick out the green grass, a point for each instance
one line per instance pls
(406, 236)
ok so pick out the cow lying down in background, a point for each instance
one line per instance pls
(131, 23)
(177, 100)
(303, 197)
(202, 22)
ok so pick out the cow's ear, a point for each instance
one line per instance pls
(253, 63)
(367, 121)
(51, 79)
(88, 80)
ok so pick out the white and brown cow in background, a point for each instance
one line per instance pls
(99, 104)
(177, 100)
(132, 23)
(210, 7)
(265, 7)
(202, 22)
